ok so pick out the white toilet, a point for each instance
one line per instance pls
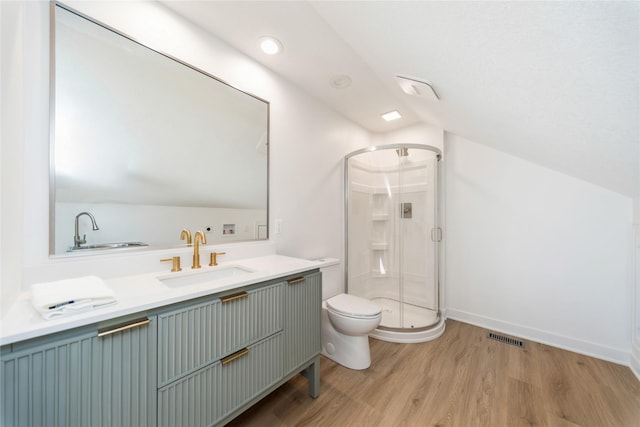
(346, 323)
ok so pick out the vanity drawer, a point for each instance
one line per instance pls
(215, 391)
(192, 337)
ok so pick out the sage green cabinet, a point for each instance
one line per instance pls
(83, 379)
(220, 356)
(217, 355)
(212, 393)
(194, 336)
(195, 363)
(303, 300)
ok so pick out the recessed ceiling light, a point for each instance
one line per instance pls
(270, 45)
(391, 115)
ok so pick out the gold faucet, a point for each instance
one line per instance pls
(199, 238)
(186, 234)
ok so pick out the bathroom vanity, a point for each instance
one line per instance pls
(199, 360)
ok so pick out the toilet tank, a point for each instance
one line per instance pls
(332, 277)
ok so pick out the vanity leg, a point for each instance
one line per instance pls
(312, 373)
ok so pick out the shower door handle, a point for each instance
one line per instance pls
(436, 234)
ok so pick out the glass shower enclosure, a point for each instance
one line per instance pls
(392, 237)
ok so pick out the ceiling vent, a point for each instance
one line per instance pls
(340, 81)
(412, 86)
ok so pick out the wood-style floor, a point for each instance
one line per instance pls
(461, 379)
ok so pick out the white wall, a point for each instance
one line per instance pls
(307, 191)
(635, 350)
(416, 134)
(635, 325)
(307, 144)
(18, 35)
(535, 253)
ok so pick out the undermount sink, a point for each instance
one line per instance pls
(118, 245)
(204, 276)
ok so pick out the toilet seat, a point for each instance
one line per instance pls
(353, 306)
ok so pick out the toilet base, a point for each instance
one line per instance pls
(349, 351)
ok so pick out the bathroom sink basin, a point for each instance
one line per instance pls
(218, 273)
(118, 245)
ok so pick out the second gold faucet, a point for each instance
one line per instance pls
(186, 234)
(197, 239)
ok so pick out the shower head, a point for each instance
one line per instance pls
(402, 152)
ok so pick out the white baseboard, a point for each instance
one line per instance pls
(635, 359)
(610, 354)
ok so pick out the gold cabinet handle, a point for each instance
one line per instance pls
(234, 297)
(123, 327)
(296, 280)
(235, 356)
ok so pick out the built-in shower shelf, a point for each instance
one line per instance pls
(379, 246)
(380, 217)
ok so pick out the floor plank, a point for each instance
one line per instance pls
(461, 379)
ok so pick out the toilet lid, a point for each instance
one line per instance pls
(351, 305)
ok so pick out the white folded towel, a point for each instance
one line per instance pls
(71, 296)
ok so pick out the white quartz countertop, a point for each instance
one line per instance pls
(143, 292)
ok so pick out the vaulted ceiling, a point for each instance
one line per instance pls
(555, 83)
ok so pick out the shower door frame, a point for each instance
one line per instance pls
(436, 223)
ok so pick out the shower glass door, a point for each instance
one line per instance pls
(392, 233)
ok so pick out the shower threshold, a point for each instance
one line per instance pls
(420, 324)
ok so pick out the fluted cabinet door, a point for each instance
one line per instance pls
(49, 385)
(84, 380)
(302, 325)
(125, 377)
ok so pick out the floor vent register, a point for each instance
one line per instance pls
(505, 339)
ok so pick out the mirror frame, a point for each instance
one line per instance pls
(52, 126)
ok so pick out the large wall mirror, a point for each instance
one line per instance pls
(147, 145)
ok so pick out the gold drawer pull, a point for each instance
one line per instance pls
(296, 280)
(235, 356)
(234, 297)
(123, 327)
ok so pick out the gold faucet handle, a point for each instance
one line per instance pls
(176, 263)
(214, 258)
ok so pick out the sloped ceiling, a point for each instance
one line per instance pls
(555, 83)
